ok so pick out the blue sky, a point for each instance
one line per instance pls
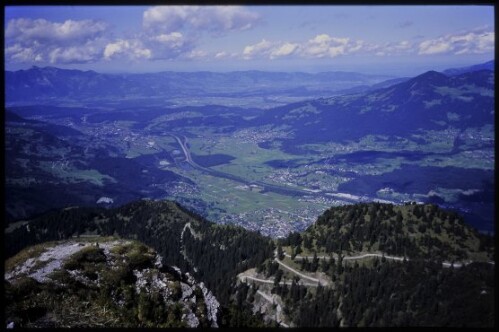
(403, 40)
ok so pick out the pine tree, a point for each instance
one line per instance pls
(315, 263)
(278, 277)
(298, 250)
(280, 252)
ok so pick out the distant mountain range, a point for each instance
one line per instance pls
(431, 101)
(368, 88)
(489, 65)
(50, 84)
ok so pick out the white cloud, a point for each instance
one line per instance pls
(132, 49)
(225, 18)
(72, 41)
(284, 50)
(196, 54)
(320, 46)
(73, 54)
(320, 39)
(42, 31)
(211, 18)
(485, 42)
(173, 31)
(260, 48)
(169, 46)
(341, 41)
(18, 53)
(357, 46)
(324, 45)
(403, 45)
(392, 48)
(154, 47)
(473, 42)
(174, 39)
(335, 51)
(28, 40)
(166, 18)
(434, 47)
(221, 55)
(226, 55)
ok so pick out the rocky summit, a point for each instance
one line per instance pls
(96, 282)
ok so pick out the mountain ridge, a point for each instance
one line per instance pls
(400, 109)
(489, 65)
(42, 84)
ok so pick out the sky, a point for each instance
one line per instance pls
(395, 40)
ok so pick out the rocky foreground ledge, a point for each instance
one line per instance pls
(102, 282)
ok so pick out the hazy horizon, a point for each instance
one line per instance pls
(394, 72)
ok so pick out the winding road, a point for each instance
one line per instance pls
(396, 258)
(271, 281)
(298, 257)
(304, 276)
(317, 282)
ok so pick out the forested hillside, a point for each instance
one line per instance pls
(386, 265)
(358, 265)
(411, 230)
(226, 250)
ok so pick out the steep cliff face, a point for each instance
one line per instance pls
(99, 281)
